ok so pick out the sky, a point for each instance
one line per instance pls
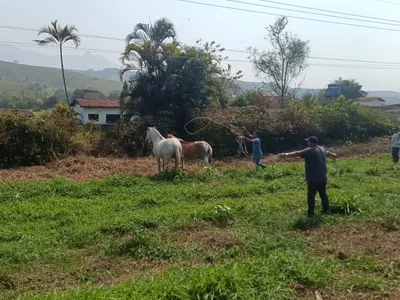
(232, 29)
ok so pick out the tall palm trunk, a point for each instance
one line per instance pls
(63, 76)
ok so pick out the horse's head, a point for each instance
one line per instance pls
(149, 134)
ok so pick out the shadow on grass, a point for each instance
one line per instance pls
(349, 209)
(306, 223)
(180, 176)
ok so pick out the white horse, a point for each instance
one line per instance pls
(165, 149)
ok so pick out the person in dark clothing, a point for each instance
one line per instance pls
(316, 172)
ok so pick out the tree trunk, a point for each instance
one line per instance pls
(63, 76)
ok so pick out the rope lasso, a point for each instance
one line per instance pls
(239, 139)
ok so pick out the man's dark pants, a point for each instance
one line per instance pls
(395, 154)
(313, 188)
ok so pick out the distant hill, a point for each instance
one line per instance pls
(109, 73)
(390, 97)
(15, 77)
(85, 61)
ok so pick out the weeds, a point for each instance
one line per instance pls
(256, 244)
(391, 223)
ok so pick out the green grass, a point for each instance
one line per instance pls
(62, 231)
(16, 77)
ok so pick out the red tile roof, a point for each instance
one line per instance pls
(92, 102)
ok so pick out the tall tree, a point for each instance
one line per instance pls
(350, 88)
(280, 66)
(172, 79)
(145, 46)
(59, 35)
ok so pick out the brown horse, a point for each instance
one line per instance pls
(195, 150)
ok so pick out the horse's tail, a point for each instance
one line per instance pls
(179, 155)
(209, 154)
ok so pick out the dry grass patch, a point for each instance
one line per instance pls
(205, 237)
(95, 270)
(305, 293)
(370, 240)
(86, 168)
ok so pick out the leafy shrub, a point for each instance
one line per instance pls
(222, 214)
(128, 138)
(283, 129)
(36, 140)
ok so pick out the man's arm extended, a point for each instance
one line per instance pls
(331, 154)
(247, 133)
(291, 154)
(249, 140)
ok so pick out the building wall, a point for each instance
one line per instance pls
(83, 113)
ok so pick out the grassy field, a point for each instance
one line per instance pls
(227, 233)
(16, 77)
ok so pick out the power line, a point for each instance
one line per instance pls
(355, 60)
(81, 34)
(333, 11)
(293, 17)
(354, 67)
(388, 2)
(28, 45)
(312, 13)
(227, 50)
(377, 67)
(332, 65)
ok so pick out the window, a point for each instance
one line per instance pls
(112, 118)
(93, 117)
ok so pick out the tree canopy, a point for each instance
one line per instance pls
(172, 77)
(350, 88)
(279, 67)
(56, 34)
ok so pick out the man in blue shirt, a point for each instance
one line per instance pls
(316, 172)
(257, 153)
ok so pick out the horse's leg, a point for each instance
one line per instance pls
(159, 164)
(178, 159)
(207, 155)
(166, 163)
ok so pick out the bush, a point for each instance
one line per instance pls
(128, 138)
(280, 130)
(36, 140)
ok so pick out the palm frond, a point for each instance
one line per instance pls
(58, 35)
(74, 38)
(49, 30)
(46, 41)
(139, 34)
(163, 29)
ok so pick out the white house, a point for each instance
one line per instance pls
(370, 101)
(102, 111)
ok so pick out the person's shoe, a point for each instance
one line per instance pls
(310, 214)
(326, 212)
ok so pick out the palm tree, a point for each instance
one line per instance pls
(144, 46)
(59, 35)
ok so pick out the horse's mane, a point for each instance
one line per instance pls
(172, 136)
